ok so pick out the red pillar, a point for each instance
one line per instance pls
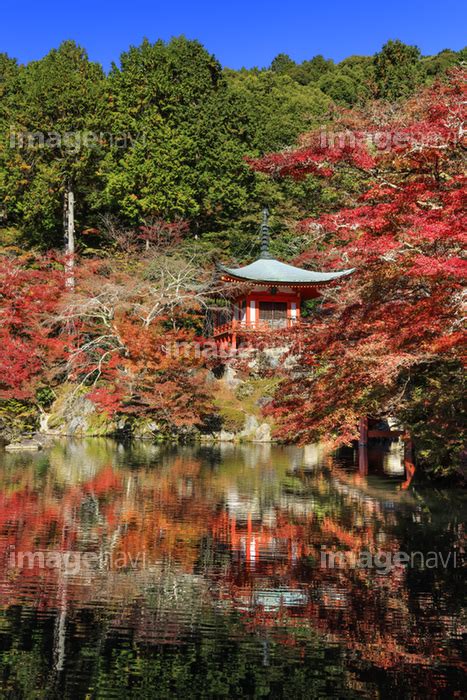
(362, 460)
(363, 429)
(363, 446)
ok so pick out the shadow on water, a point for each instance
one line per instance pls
(148, 571)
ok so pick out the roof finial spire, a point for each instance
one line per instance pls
(265, 254)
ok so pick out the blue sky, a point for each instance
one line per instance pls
(238, 32)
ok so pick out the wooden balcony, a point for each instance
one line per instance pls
(261, 326)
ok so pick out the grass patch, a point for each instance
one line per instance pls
(235, 404)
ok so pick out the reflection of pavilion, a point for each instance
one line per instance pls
(243, 536)
(261, 539)
(272, 599)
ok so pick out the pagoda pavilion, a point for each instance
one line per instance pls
(270, 296)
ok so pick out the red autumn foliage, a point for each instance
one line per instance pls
(30, 288)
(132, 348)
(153, 378)
(373, 337)
(120, 336)
(163, 234)
(109, 399)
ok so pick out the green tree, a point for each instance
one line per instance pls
(275, 108)
(312, 71)
(434, 66)
(360, 69)
(53, 108)
(8, 77)
(173, 131)
(397, 70)
(282, 63)
(342, 89)
(184, 157)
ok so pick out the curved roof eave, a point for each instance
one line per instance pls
(272, 271)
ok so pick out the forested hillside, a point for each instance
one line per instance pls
(164, 135)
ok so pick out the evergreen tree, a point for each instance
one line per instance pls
(397, 70)
(53, 107)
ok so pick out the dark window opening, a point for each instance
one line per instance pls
(274, 313)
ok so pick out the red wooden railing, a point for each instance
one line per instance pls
(235, 326)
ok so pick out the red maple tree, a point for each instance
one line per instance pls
(134, 350)
(30, 289)
(389, 340)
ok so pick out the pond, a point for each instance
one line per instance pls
(145, 571)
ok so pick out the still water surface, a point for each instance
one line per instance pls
(199, 572)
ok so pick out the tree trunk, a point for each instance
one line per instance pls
(69, 225)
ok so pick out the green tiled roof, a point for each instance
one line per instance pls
(270, 270)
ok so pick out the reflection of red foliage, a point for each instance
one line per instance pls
(410, 471)
(271, 574)
(105, 482)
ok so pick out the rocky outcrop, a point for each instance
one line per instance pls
(73, 414)
(252, 431)
(27, 445)
(239, 396)
(255, 431)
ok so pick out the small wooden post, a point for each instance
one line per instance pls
(233, 527)
(362, 460)
(363, 429)
(363, 446)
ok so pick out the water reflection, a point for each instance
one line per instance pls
(207, 579)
